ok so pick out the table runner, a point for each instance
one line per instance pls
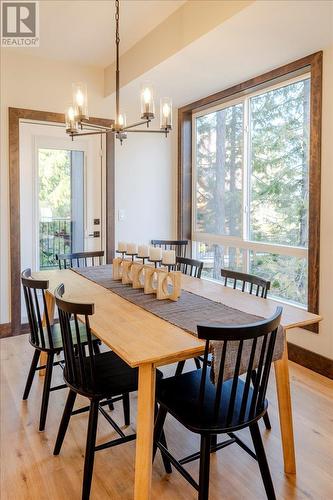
(189, 311)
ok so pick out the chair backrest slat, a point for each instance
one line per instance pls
(253, 347)
(39, 319)
(220, 381)
(79, 368)
(191, 267)
(39, 322)
(247, 279)
(248, 379)
(256, 385)
(203, 376)
(34, 319)
(267, 367)
(79, 258)
(235, 382)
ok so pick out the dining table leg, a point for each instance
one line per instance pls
(50, 304)
(144, 432)
(285, 411)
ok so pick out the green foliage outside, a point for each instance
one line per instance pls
(278, 184)
(55, 182)
(279, 160)
(54, 204)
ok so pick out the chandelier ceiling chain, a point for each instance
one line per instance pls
(77, 119)
(117, 57)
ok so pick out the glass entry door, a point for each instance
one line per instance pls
(61, 204)
(62, 195)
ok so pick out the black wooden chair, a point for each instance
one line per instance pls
(229, 406)
(44, 337)
(255, 284)
(179, 246)
(79, 259)
(188, 266)
(98, 377)
(192, 268)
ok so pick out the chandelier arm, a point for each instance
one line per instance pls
(162, 131)
(109, 131)
(137, 124)
(95, 132)
(97, 127)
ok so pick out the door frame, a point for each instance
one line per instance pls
(15, 115)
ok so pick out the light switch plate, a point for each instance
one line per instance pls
(121, 214)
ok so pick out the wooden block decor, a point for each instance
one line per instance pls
(126, 277)
(151, 278)
(138, 273)
(117, 268)
(163, 280)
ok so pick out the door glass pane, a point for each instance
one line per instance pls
(279, 165)
(218, 163)
(61, 210)
(288, 275)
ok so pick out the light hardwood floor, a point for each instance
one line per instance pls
(30, 471)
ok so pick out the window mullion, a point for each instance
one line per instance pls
(246, 180)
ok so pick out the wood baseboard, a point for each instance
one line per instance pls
(315, 362)
(6, 330)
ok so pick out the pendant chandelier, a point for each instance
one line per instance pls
(77, 118)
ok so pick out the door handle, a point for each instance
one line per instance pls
(95, 234)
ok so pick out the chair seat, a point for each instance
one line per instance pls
(112, 377)
(57, 339)
(180, 396)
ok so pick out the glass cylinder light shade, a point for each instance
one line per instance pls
(71, 121)
(121, 120)
(166, 113)
(147, 101)
(80, 101)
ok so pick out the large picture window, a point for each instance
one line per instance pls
(250, 173)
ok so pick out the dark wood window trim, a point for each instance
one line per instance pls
(313, 63)
(15, 115)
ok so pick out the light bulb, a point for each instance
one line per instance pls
(71, 113)
(80, 101)
(166, 110)
(121, 122)
(71, 121)
(166, 113)
(79, 97)
(147, 95)
(147, 101)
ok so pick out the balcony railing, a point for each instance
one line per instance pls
(55, 237)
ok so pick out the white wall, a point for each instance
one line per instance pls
(145, 180)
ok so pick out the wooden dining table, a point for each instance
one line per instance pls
(146, 341)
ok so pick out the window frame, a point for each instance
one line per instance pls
(310, 64)
(244, 242)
